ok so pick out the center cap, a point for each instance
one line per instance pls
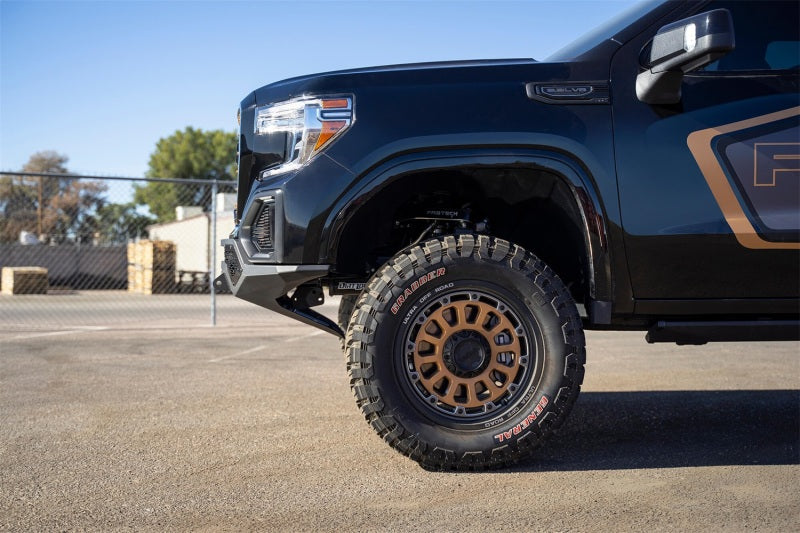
(466, 353)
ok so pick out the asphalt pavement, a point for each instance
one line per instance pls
(154, 424)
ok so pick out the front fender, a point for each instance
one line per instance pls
(573, 174)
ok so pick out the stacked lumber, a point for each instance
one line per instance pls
(24, 280)
(151, 267)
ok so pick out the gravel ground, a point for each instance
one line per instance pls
(154, 425)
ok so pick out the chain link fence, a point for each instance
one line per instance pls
(146, 248)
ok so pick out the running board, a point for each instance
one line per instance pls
(729, 331)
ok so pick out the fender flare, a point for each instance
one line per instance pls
(564, 167)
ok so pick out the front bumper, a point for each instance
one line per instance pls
(268, 285)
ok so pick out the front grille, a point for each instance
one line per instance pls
(232, 262)
(262, 234)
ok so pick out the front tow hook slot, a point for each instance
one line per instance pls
(221, 284)
(307, 296)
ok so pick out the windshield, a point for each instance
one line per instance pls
(604, 32)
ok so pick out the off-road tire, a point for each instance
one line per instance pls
(501, 286)
(346, 305)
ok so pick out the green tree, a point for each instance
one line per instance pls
(188, 154)
(117, 223)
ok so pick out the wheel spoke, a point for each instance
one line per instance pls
(459, 315)
(497, 328)
(434, 378)
(472, 394)
(483, 315)
(493, 389)
(430, 339)
(503, 371)
(441, 331)
(450, 396)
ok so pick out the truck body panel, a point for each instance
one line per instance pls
(672, 222)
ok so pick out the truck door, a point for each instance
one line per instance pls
(710, 187)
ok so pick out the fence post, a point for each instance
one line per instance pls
(75, 281)
(213, 245)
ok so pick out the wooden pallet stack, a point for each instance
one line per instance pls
(24, 280)
(151, 267)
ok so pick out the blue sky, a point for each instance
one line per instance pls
(102, 81)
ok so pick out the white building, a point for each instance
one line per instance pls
(191, 233)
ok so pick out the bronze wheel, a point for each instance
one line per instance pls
(467, 353)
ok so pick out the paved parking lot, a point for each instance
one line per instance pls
(146, 423)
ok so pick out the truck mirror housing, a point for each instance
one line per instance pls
(682, 47)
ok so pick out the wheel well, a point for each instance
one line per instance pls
(533, 208)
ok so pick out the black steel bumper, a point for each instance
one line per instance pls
(268, 285)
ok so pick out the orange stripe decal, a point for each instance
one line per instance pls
(699, 143)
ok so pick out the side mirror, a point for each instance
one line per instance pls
(682, 47)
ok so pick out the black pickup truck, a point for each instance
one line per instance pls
(478, 216)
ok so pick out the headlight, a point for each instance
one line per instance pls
(310, 124)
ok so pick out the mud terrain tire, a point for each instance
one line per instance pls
(465, 353)
(346, 305)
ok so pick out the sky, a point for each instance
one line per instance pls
(102, 81)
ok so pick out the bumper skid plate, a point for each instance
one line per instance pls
(268, 285)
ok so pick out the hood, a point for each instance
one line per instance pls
(347, 80)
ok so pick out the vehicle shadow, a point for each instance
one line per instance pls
(669, 429)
